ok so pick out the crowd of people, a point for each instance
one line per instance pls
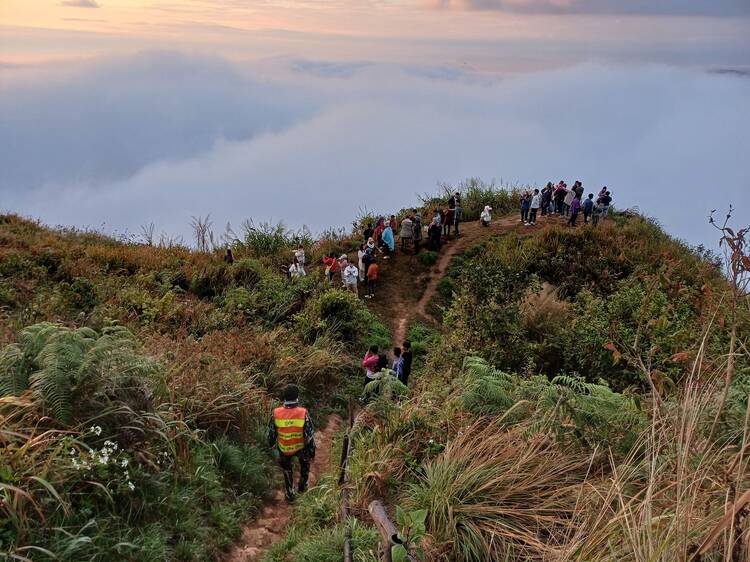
(565, 202)
(290, 429)
(379, 239)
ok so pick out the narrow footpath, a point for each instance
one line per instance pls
(398, 303)
(270, 525)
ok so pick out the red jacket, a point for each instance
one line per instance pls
(332, 263)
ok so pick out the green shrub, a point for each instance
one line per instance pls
(339, 314)
(210, 281)
(427, 258)
(247, 272)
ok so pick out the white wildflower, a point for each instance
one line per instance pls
(131, 485)
(96, 430)
(124, 463)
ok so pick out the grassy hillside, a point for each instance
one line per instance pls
(579, 394)
(136, 382)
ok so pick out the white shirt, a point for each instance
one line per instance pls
(351, 274)
(536, 201)
(296, 270)
(300, 255)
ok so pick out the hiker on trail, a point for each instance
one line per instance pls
(597, 214)
(370, 363)
(559, 197)
(486, 217)
(536, 202)
(372, 279)
(398, 364)
(452, 202)
(417, 231)
(525, 204)
(458, 212)
(368, 232)
(606, 201)
(578, 188)
(299, 255)
(588, 208)
(575, 207)
(449, 219)
(351, 277)
(296, 270)
(601, 193)
(547, 198)
(434, 233)
(332, 266)
(291, 434)
(361, 263)
(379, 228)
(369, 257)
(392, 223)
(569, 195)
(229, 257)
(343, 264)
(388, 241)
(408, 358)
(407, 232)
(437, 218)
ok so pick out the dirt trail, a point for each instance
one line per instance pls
(270, 525)
(471, 233)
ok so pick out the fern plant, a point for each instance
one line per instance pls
(567, 406)
(63, 367)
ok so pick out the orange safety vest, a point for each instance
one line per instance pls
(290, 423)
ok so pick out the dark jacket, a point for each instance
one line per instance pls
(408, 357)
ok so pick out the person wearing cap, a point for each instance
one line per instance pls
(486, 217)
(291, 434)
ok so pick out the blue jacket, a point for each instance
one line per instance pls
(387, 238)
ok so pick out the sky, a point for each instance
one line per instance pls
(117, 113)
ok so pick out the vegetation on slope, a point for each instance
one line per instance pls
(135, 384)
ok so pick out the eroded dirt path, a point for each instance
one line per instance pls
(270, 525)
(471, 233)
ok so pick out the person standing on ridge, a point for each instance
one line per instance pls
(351, 276)
(567, 201)
(575, 207)
(372, 279)
(407, 232)
(368, 232)
(291, 434)
(588, 208)
(361, 262)
(525, 204)
(299, 255)
(536, 202)
(388, 241)
(332, 266)
(229, 257)
(417, 231)
(458, 213)
(486, 217)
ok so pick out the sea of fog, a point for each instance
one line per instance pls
(118, 142)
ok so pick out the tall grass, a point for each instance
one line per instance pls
(493, 495)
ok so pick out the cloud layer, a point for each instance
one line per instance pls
(161, 137)
(661, 7)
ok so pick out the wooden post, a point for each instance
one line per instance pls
(386, 528)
